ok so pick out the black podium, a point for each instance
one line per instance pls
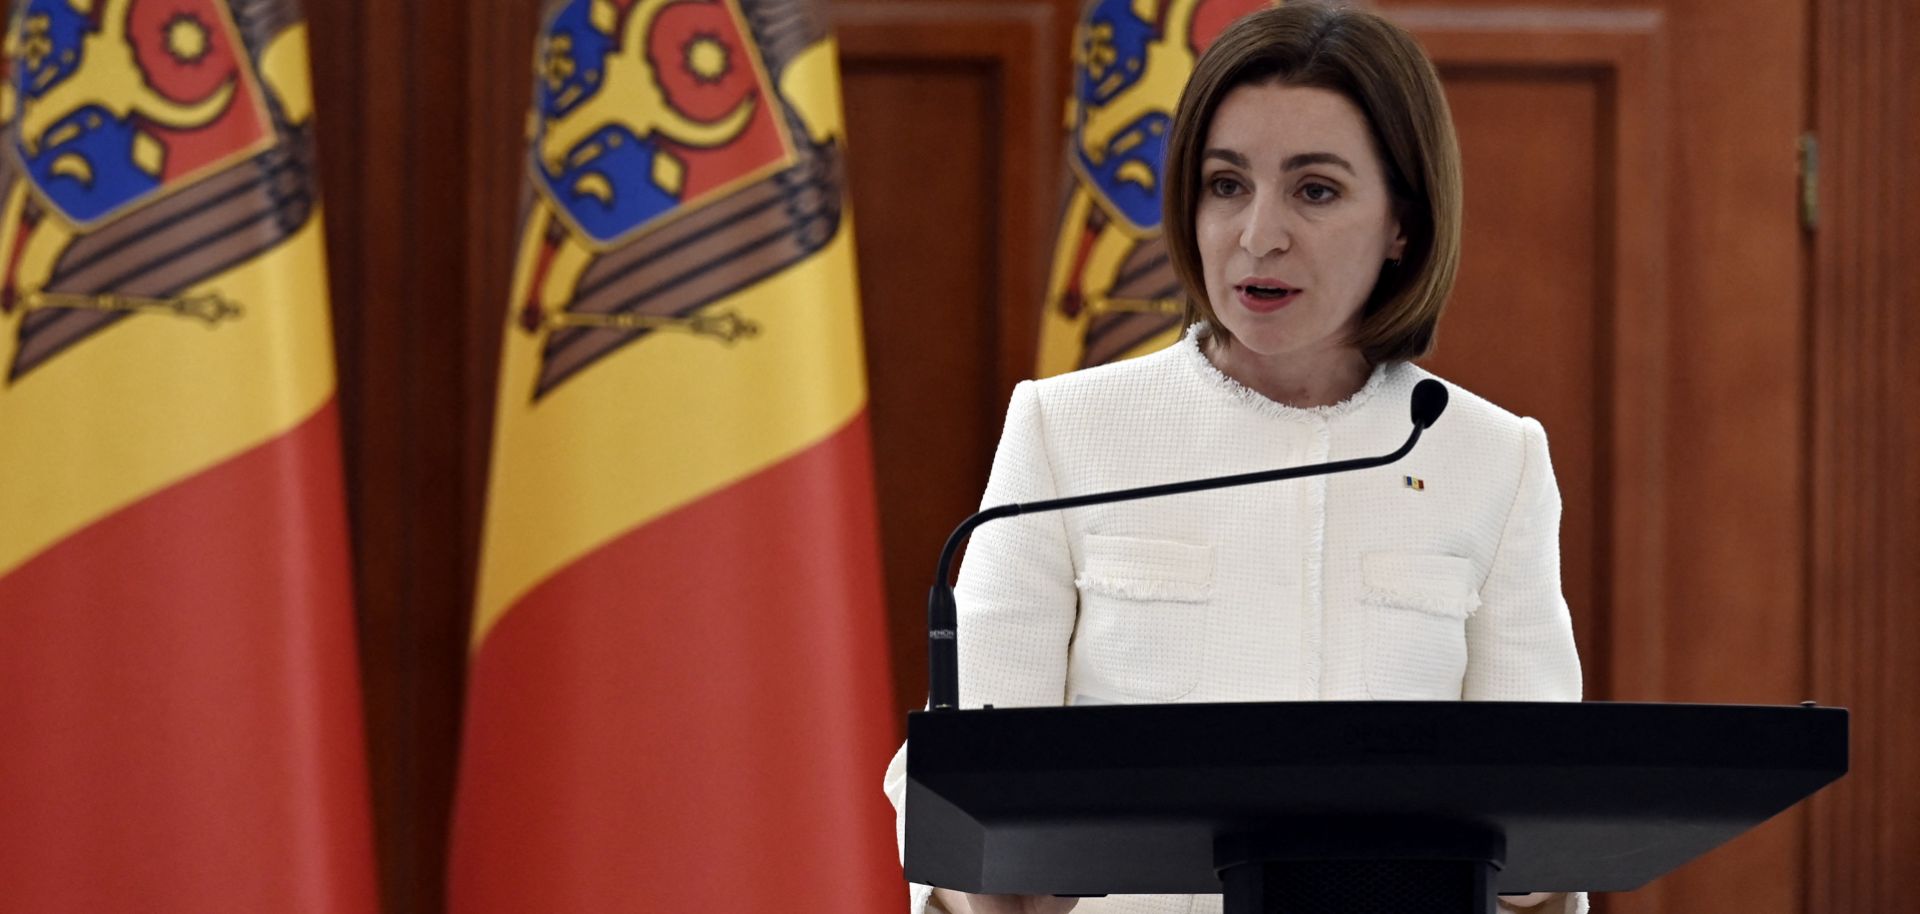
(1349, 807)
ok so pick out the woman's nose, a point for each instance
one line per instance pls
(1268, 228)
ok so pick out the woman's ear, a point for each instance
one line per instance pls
(1397, 248)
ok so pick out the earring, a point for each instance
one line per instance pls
(1393, 263)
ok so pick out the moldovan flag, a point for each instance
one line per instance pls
(1112, 293)
(179, 695)
(678, 698)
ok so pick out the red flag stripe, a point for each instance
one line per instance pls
(178, 690)
(686, 718)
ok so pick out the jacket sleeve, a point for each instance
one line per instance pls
(1520, 641)
(1562, 903)
(1016, 600)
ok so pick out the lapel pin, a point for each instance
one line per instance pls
(1415, 483)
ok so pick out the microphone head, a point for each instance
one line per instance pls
(1429, 401)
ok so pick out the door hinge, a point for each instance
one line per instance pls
(1809, 181)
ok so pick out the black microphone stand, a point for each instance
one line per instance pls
(943, 668)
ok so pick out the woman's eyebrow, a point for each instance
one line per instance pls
(1317, 158)
(1227, 155)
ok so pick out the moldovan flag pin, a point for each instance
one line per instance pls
(178, 683)
(678, 696)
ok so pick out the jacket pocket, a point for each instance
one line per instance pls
(1143, 613)
(1417, 611)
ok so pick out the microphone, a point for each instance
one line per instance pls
(1429, 401)
(943, 655)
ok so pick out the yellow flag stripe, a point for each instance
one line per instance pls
(154, 399)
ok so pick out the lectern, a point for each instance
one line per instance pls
(1333, 807)
(1348, 807)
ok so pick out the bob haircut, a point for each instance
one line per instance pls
(1380, 69)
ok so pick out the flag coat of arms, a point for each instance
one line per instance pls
(1112, 293)
(677, 694)
(178, 682)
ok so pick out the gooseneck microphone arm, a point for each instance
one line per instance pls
(943, 667)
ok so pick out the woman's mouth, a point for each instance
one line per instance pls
(1262, 298)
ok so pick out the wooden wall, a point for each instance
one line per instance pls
(1862, 425)
(423, 104)
(1721, 386)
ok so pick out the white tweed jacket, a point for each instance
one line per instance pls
(1437, 577)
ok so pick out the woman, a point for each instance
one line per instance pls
(1312, 212)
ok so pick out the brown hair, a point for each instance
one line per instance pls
(1379, 68)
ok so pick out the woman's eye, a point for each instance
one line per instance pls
(1223, 186)
(1318, 193)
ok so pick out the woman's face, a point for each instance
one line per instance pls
(1294, 219)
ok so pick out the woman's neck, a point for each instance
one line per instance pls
(1303, 380)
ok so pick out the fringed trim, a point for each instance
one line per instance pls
(1144, 589)
(1460, 607)
(1313, 608)
(1189, 349)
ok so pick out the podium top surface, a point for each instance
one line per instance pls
(1591, 796)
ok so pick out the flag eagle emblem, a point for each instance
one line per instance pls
(1112, 291)
(147, 153)
(670, 173)
(122, 105)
